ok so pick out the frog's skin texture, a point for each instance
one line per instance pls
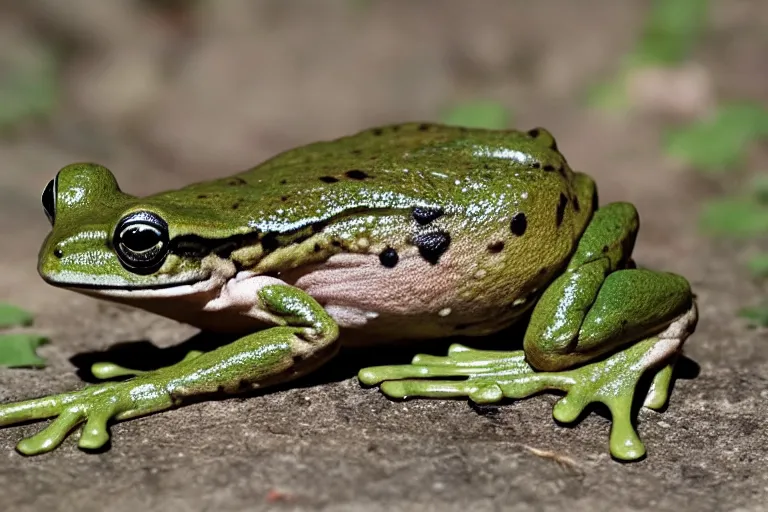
(409, 231)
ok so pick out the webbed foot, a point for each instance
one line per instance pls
(94, 405)
(493, 375)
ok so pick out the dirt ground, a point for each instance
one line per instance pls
(164, 98)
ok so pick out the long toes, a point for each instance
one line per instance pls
(427, 388)
(95, 433)
(658, 394)
(29, 410)
(378, 374)
(567, 409)
(53, 435)
(486, 393)
(625, 444)
(106, 370)
(426, 359)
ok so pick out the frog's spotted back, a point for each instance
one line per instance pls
(393, 167)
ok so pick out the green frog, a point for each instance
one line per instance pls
(404, 232)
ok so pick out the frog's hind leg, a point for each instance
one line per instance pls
(593, 333)
(492, 376)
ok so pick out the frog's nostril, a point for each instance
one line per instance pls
(58, 253)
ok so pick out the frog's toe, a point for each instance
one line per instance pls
(477, 391)
(461, 361)
(612, 382)
(658, 394)
(105, 370)
(378, 374)
(53, 435)
(95, 433)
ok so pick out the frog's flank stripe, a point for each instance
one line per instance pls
(194, 246)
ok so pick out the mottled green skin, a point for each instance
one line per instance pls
(289, 196)
(597, 322)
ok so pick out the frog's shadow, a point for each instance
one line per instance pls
(144, 355)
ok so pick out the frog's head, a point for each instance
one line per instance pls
(106, 242)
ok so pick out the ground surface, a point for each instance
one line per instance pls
(164, 100)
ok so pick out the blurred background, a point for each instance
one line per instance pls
(662, 101)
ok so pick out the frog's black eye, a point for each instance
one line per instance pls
(141, 242)
(49, 201)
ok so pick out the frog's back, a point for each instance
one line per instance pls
(454, 229)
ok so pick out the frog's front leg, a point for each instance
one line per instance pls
(306, 339)
(106, 370)
(594, 308)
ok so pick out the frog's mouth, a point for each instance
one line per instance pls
(85, 283)
(212, 275)
(111, 281)
(194, 286)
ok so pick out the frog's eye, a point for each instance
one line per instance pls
(49, 201)
(141, 242)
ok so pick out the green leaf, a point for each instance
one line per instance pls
(28, 85)
(756, 315)
(609, 95)
(738, 217)
(759, 188)
(670, 32)
(758, 265)
(478, 114)
(720, 142)
(13, 316)
(18, 350)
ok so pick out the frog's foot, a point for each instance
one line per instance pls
(658, 394)
(94, 405)
(106, 370)
(492, 376)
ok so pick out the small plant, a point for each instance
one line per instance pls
(28, 85)
(671, 30)
(719, 144)
(744, 216)
(18, 349)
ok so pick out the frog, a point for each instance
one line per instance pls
(404, 232)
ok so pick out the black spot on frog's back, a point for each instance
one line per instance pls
(236, 182)
(519, 224)
(356, 174)
(432, 245)
(424, 215)
(496, 247)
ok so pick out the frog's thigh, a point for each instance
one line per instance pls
(631, 305)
